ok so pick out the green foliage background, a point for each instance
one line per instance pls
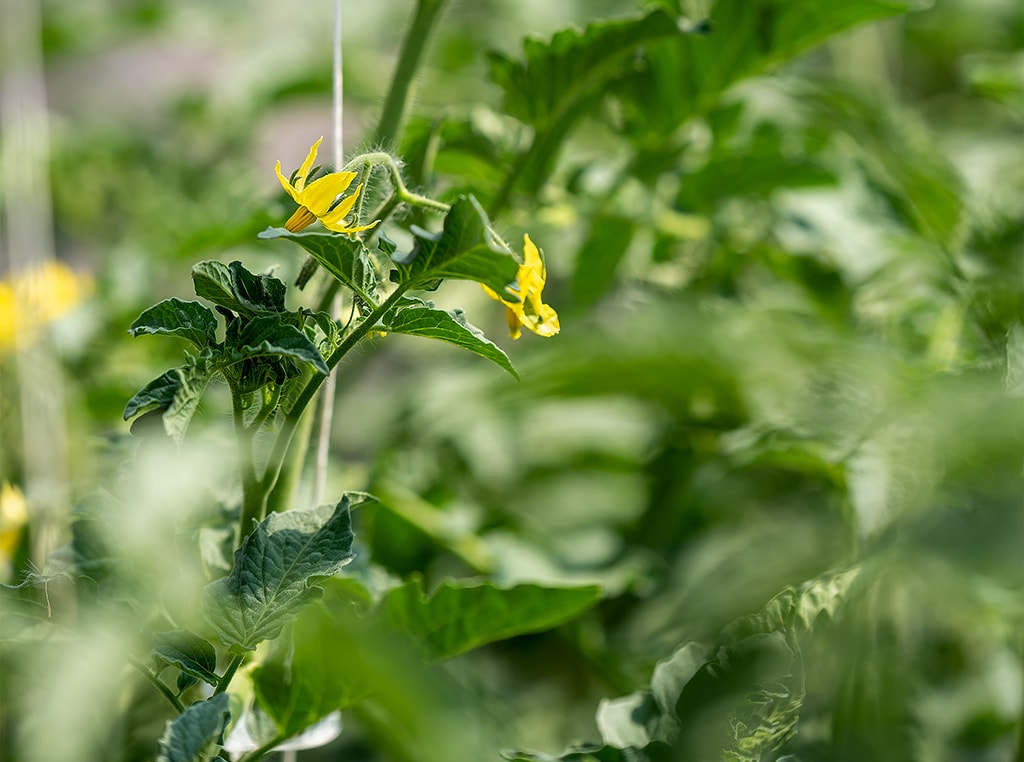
(780, 431)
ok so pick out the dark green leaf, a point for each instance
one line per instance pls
(177, 392)
(599, 257)
(189, 320)
(346, 258)
(269, 336)
(236, 289)
(188, 652)
(424, 320)
(464, 250)
(460, 616)
(274, 570)
(196, 735)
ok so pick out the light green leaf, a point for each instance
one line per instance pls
(464, 250)
(189, 320)
(346, 258)
(235, 288)
(460, 616)
(196, 735)
(177, 392)
(421, 319)
(274, 570)
(269, 336)
(188, 652)
(599, 257)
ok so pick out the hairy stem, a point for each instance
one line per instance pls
(156, 681)
(413, 48)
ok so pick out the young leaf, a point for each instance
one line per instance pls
(424, 320)
(177, 392)
(235, 288)
(464, 250)
(274, 570)
(189, 320)
(269, 336)
(196, 735)
(460, 616)
(347, 259)
(188, 652)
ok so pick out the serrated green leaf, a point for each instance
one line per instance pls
(460, 616)
(196, 735)
(464, 250)
(268, 336)
(274, 570)
(177, 392)
(188, 652)
(554, 77)
(346, 258)
(686, 75)
(425, 320)
(236, 289)
(189, 320)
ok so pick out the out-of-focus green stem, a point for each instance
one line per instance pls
(413, 48)
(253, 495)
(156, 681)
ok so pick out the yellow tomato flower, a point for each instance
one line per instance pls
(13, 520)
(316, 199)
(32, 299)
(531, 310)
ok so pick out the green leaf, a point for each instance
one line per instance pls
(346, 258)
(189, 320)
(269, 336)
(274, 569)
(196, 735)
(422, 319)
(460, 616)
(555, 77)
(680, 77)
(235, 288)
(177, 392)
(188, 652)
(599, 257)
(464, 250)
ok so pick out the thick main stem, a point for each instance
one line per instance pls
(413, 48)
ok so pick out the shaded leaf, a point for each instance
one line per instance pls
(177, 392)
(464, 250)
(460, 616)
(236, 289)
(269, 336)
(346, 258)
(274, 570)
(188, 652)
(196, 735)
(189, 320)
(425, 320)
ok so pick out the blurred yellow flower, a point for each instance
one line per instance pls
(35, 298)
(316, 199)
(13, 519)
(531, 310)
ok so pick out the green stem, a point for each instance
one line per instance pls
(253, 494)
(229, 673)
(413, 48)
(156, 681)
(262, 751)
(292, 417)
(386, 160)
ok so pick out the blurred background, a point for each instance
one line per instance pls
(791, 338)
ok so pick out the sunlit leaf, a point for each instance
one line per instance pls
(344, 257)
(274, 573)
(174, 317)
(420, 319)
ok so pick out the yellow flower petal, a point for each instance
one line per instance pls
(531, 310)
(307, 165)
(320, 194)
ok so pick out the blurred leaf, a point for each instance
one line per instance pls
(177, 392)
(346, 258)
(464, 250)
(187, 651)
(599, 257)
(422, 319)
(999, 76)
(196, 735)
(460, 616)
(236, 289)
(268, 336)
(189, 320)
(678, 78)
(275, 566)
